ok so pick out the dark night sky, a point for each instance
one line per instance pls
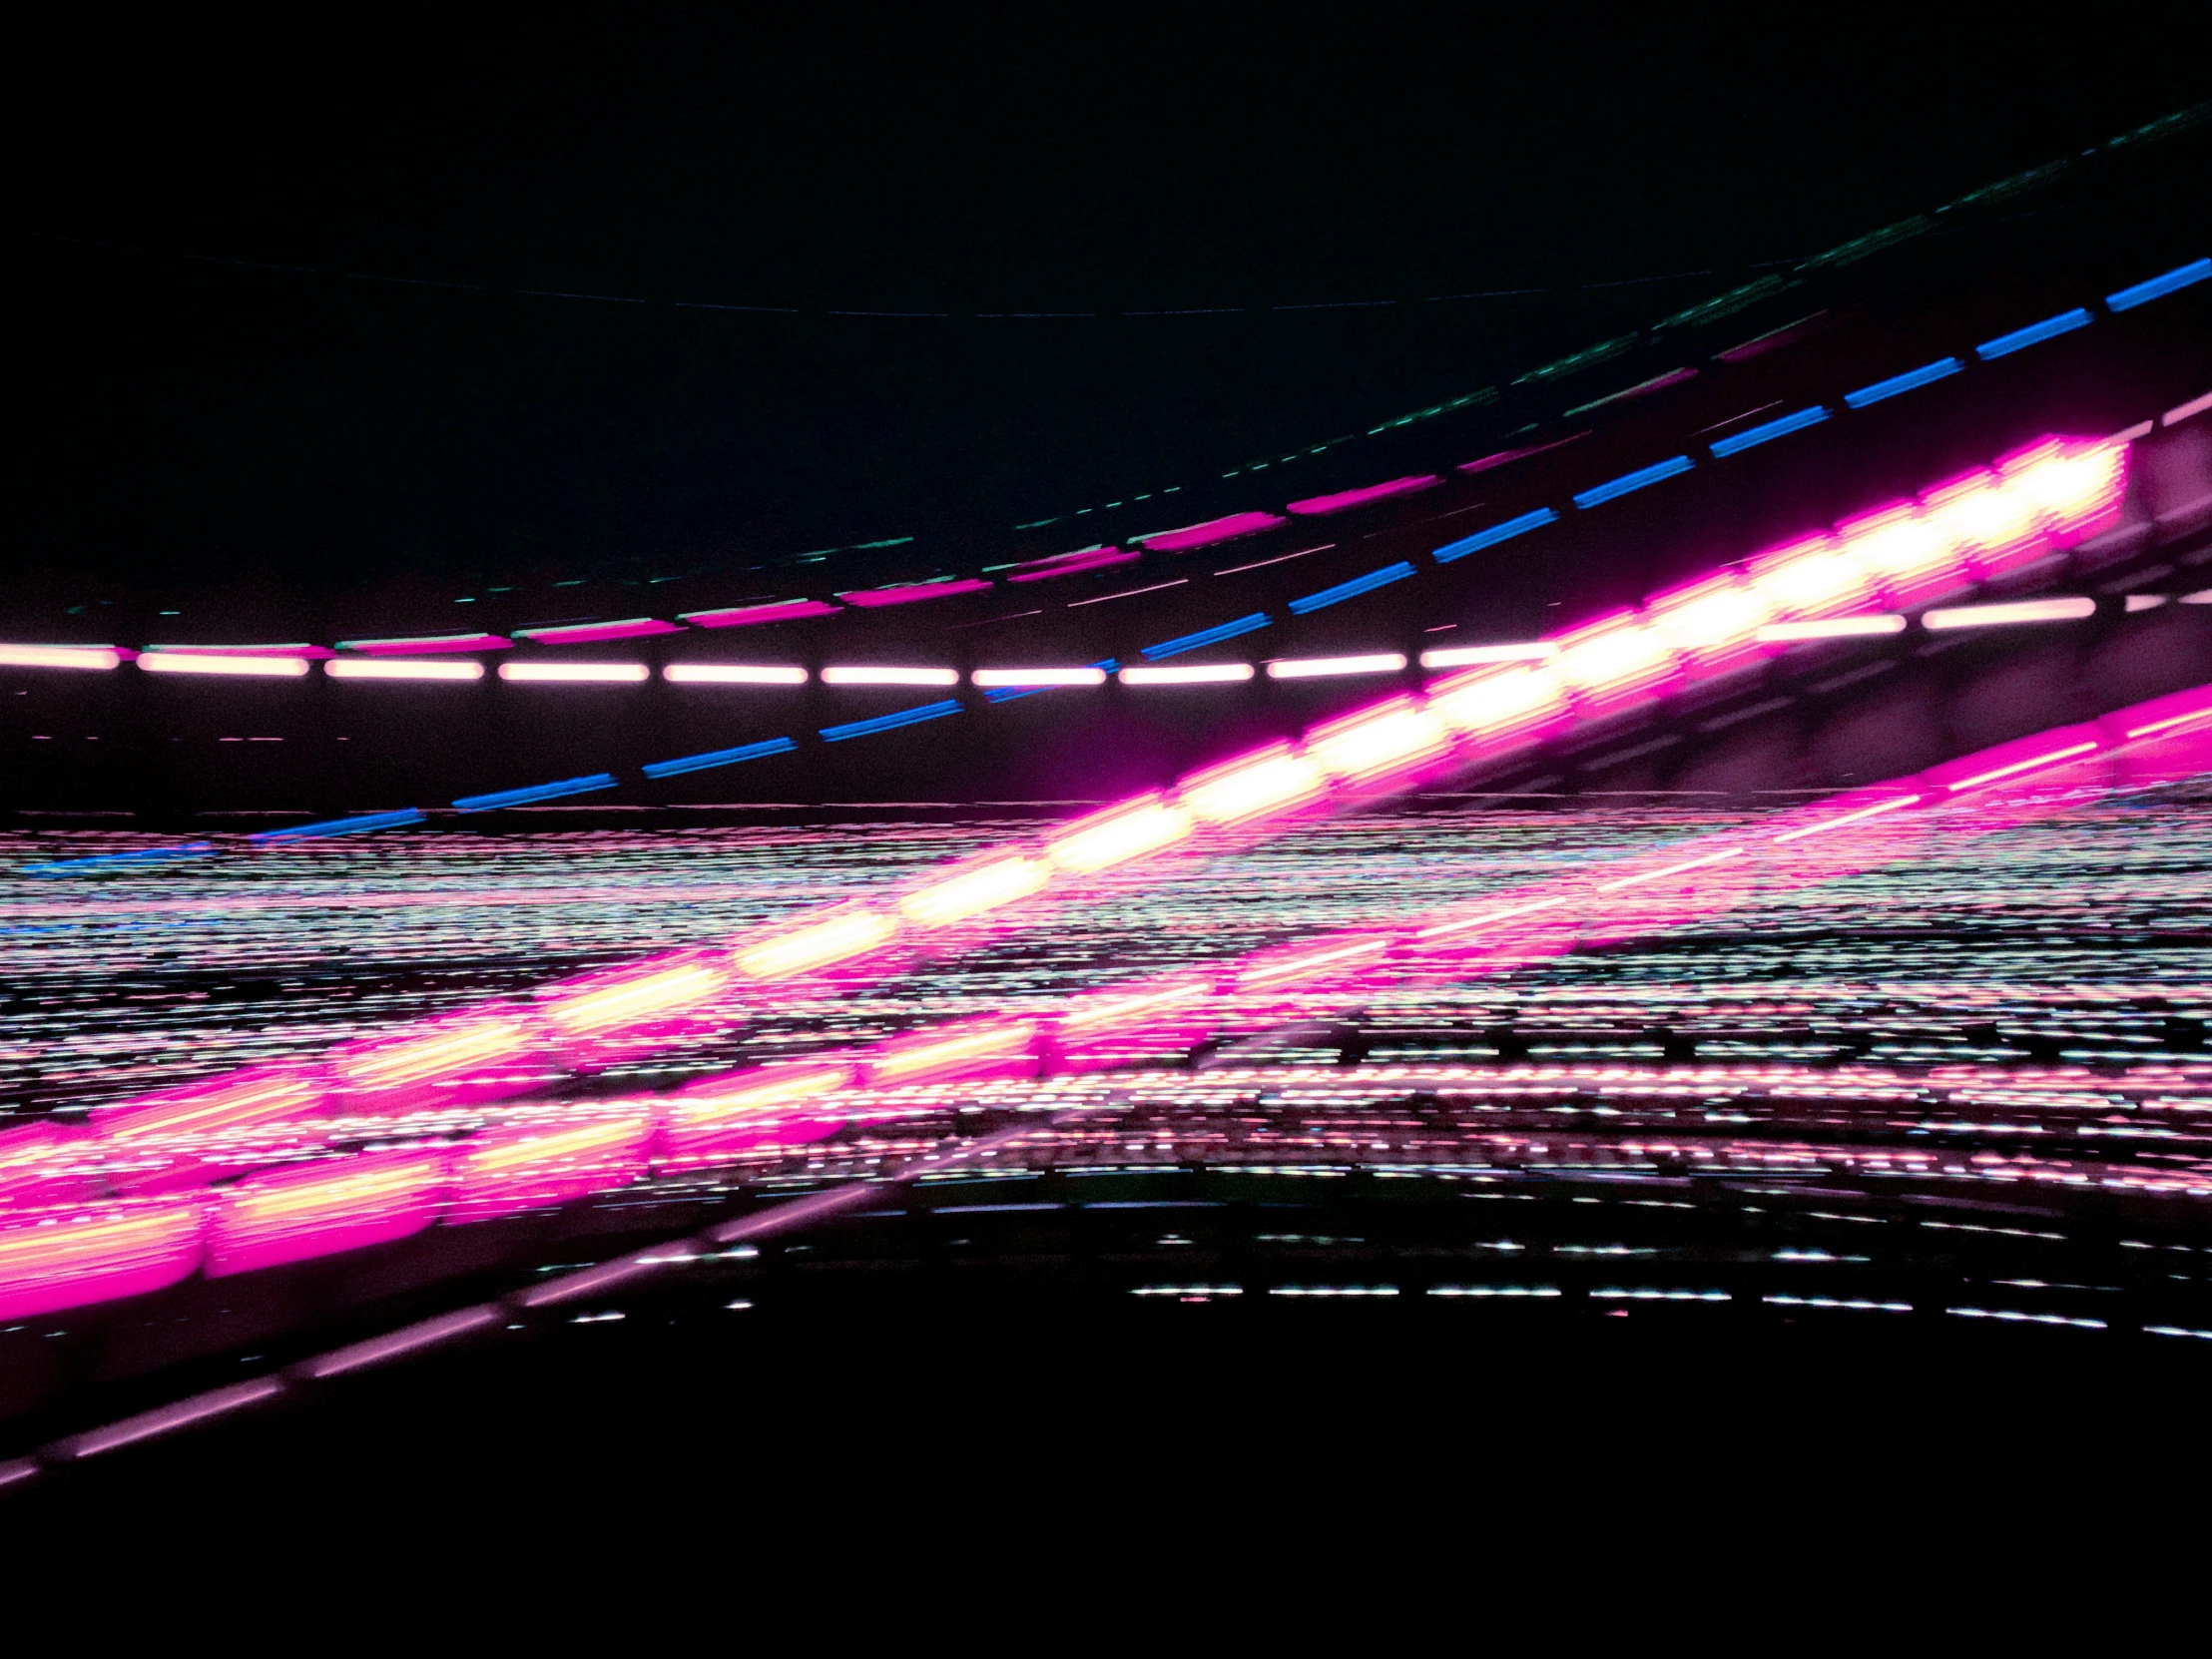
(190, 422)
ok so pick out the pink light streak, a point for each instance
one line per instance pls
(749, 616)
(1331, 668)
(583, 632)
(1317, 506)
(914, 593)
(1069, 564)
(1212, 530)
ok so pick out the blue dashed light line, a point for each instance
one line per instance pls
(891, 722)
(536, 792)
(1628, 482)
(1911, 380)
(1207, 636)
(1494, 535)
(2159, 287)
(1352, 589)
(720, 758)
(2019, 339)
(357, 826)
(1771, 429)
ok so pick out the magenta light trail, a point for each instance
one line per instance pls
(1316, 506)
(585, 633)
(90, 1251)
(100, 1250)
(1214, 530)
(2049, 492)
(748, 616)
(914, 593)
(428, 644)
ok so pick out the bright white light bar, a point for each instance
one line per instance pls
(193, 662)
(602, 673)
(732, 674)
(403, 667)
(1831, 628)
(1039, 677)
(1198, 674)
(1325, 668)
(860, 676)
(59, 655)
(1459, 656)
(1997, 616)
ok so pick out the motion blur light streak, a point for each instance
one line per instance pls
(577, 673)
(399, 668)
(60, 655)
(1994, 616)
(816, 947)
(186, 662)
(1834, 627)
(732, 674)
(849, 675)
(1322, 668)
(1039, 677)
(1196, 674)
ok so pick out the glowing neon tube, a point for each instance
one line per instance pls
(193, 662)
(401, 668)
(1329, 668)
(60, 655)
(2003, 616)
(1197, 674)
(885, 676)
(629, 674)
(1038, 677)
(732, 674)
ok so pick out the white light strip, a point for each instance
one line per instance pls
(1999, 616)
(1459, 656)
(59, 655)
(404, 668)
(2066, 754)
(2182, 411)
(1039, 677)
(2146, 602)
(570, 673)
(1864, 812)
(860, 676)
(186, 662)
(1325, 668)
(1198, 674)
(1832, 628)
(732, 674)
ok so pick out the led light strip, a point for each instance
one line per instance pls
(2123, 299)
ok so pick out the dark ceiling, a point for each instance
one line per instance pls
(418, 306)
